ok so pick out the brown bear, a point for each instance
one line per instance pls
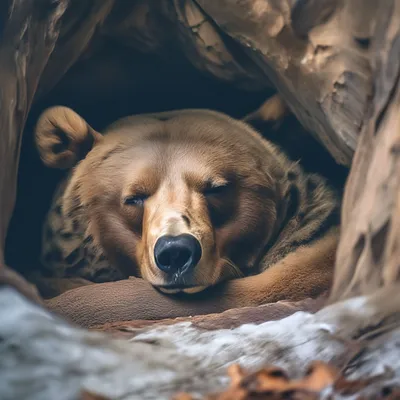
(185, 200)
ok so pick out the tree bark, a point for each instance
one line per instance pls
(29, 37)
(313, 53)
(369, 250)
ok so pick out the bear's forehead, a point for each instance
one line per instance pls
(154, 161)
(181, 128)
(174, 143)
(186, 144)
(171, 159)
(178, 159)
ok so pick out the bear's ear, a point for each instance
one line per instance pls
(63, 137)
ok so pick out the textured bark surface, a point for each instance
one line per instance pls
(29, 37)
(369, 251)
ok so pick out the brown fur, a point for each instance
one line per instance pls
(274, 109)
(272, 222)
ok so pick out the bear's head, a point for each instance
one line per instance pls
(183, 199)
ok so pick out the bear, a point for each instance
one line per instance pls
(185, 200)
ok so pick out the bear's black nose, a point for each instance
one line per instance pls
(177, 253)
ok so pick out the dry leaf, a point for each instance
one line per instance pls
(92, 396)
(272, 383)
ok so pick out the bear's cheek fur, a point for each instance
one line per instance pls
(119, 242)
(244, 237)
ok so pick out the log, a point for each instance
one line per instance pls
(225, 320)
(53, 359)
